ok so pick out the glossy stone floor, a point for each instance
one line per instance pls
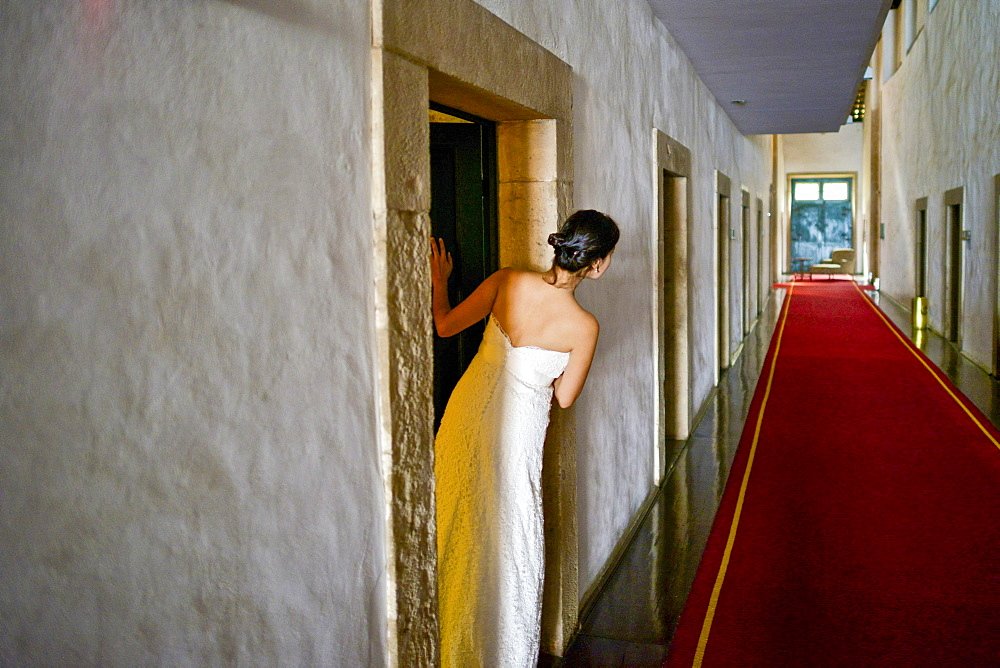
(635, 615)
(978, 385)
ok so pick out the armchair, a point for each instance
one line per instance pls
(841, 261)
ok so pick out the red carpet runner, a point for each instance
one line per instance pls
(861, 521)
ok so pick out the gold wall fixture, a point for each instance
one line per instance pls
(919, 313)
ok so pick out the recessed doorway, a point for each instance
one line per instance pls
(920, 263)
(954, 265)
(722, 240)
(822, 216)
(996, 274)
(673, 334)
(747, 244)
(533, 119)
(761, 261)
(464, 214)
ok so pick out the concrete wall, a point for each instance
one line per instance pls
(631, 77)
(941, 130)
(188, 469)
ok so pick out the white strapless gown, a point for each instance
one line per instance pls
(488, 466)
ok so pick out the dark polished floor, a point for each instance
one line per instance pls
(979, 386)
(636, 613)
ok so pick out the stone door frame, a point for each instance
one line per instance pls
(456, 53)
(672, 299)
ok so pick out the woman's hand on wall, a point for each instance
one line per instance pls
(449, 321)
(441, 263)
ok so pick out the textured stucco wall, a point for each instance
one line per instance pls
(941, 130)
(863, 259)
(781, 224)
(188, 468)
(824, 151)
(631, 77)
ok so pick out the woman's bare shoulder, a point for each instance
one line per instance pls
(504, 274)
(519, 278)
(588, 323)
(580, 328)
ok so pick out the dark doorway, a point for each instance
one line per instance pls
(955, 271)
(996, 274)
(748, 289)
(761, 272)
(722, 202)
(822, 217)
(673, 309)
(464, 214)
(920, 267)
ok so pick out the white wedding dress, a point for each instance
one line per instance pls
(488, 465)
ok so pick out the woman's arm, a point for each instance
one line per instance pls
(568, 386)
(450, 321)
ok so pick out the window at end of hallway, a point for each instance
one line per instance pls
(835, 191)
(806, 191)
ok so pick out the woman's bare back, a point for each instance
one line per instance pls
(535, 313)
(533, 309)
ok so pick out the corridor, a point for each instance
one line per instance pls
(635, 617)
(220, 378)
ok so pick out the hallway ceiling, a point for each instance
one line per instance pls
(796, 64)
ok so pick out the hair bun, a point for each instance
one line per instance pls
(584, 237)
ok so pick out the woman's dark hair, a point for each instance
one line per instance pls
(586, 236)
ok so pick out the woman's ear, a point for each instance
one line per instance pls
(599, 266)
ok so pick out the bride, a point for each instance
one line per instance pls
(539, 342)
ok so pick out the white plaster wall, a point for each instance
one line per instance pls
(188, 470)
(941, 130)
(630, 77)
(781, 243)
(863, 257)
(824, 151)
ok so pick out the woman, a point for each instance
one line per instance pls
(539, 342)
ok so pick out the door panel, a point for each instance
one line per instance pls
(822, 217)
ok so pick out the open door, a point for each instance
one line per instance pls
(463, 213)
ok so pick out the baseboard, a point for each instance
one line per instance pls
(696, 420)
(594, 591)
(617, 554)
(736, 355)
(895, 301)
